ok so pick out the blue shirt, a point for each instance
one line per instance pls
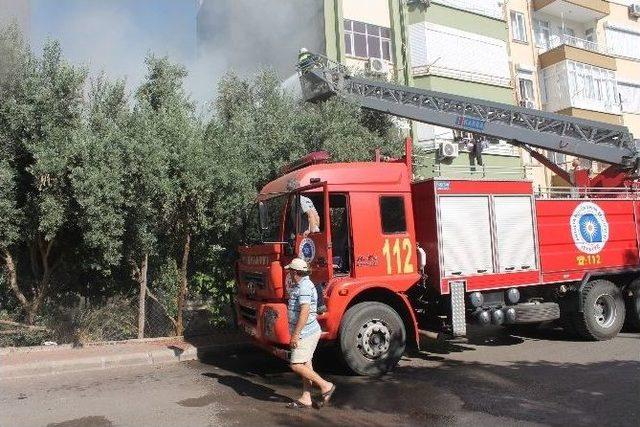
(303, 293)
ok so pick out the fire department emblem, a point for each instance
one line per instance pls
(307, 249)
(589, 228)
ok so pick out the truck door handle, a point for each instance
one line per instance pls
(456, 273)
(481, 271)
(525, 267)
(510, 268)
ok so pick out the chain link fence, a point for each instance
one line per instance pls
(115, 319)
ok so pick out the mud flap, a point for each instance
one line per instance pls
(458, 312)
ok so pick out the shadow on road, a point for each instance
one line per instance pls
(439, 390)
(244, 387)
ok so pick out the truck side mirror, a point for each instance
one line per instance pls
(264, 216)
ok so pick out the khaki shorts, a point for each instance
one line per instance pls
(306, 347)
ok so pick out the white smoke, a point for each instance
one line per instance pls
(239, 35)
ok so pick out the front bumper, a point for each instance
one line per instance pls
(266, 323)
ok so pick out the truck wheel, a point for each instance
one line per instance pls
(632, 294)
(372, 338)
(603, 311)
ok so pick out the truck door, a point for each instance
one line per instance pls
(308, 231)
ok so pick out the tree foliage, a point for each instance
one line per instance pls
(103, 194)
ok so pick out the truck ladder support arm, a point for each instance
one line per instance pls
(549, 164)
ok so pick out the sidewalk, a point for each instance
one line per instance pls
(45, 360)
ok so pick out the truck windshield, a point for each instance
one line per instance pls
(275, 208)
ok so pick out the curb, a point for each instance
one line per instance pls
(93, 363)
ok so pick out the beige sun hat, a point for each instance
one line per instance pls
(297, 264)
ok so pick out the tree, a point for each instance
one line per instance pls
(41, 110)
(257, 129)
(189, 185)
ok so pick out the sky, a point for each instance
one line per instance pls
(115, 35)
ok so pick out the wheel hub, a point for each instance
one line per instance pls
(605, 311)
(374, 339)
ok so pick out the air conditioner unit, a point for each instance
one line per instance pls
(377, 66)
(448, 150)
(634, 10)
(527, 103)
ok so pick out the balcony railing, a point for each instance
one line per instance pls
(471, 76)
(491, 9)
(559, 40)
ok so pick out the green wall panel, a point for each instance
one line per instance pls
(459, 19)
(465, 88)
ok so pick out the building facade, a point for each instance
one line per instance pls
(578, 57)
(452, 46)
(574, 57)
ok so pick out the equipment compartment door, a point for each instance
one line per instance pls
(514, 233)
(465, 236)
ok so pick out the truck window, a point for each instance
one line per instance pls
(275, 208)
(340, 236)
(305, 213)
(392, 214)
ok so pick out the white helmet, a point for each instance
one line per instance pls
(303, 50)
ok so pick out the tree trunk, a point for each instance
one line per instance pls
(182, 293)
(43, 286)
(142, 295)
(12, 281)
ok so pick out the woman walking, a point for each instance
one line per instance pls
(305, 333)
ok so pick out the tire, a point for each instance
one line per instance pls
(372, 338)
(603, 311)
(632, 302)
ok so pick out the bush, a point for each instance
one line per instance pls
(112, 321)
(25, 338)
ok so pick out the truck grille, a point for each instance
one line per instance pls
(255, 278)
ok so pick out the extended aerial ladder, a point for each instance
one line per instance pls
(530, 129)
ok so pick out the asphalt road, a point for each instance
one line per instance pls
(545, 378)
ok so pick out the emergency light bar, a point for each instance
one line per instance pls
(310, 159)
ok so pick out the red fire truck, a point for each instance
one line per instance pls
(399, 257)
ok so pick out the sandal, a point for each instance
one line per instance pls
(296, 404)
(326, 397)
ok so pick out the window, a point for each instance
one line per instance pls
(630, 97)
(590, 35)
(340, 235)
(525, 87)
(559, 159)
(567, 31)
(542, 33)
(518, 27)
(592, 83)
(367, 40)
(623, 42)
(392, 214)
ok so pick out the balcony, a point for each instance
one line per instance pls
(580, 90)
(581, 11)
(559, 40)
(564, 47)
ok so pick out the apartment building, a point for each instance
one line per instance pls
(574, 57)
(452, 46)
(577, 57)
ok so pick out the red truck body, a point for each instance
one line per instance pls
(490, 235)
